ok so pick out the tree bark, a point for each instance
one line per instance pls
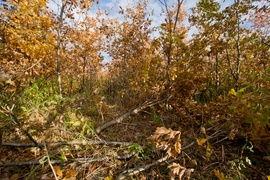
(59, 47)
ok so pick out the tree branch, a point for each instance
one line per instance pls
(80, 160)
(70, 143)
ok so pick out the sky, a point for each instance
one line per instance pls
(113, 6)
(157, 18)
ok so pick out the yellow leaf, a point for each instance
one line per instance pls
(219, 175)
(208, 151)
(249, 104)
(232, 92)
(109, 178)
(71, 173)
(220, 98)
(58, 171)
(201, 141)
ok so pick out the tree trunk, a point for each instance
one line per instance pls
(238, 49)
(59, 47)
(217, 77)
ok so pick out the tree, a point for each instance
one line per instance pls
(171, 30)
(66, 8)
(130, 51)
(26, 39)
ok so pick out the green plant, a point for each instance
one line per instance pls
(155, 117)
(138, 150)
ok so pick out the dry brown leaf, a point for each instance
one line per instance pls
(232, 134)
(172, 135)
(188, 172)
(172, 153)
(177, 146)
(203, 131)
(154, 137)
(192, 164)
(162, 130)
(44, 177)
(176, 169)
(182, 173)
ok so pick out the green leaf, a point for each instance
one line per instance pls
(242, 90)
(77, 123)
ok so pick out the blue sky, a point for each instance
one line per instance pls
(158, 18)
(113, 6)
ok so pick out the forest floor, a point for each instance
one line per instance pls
(84, 154)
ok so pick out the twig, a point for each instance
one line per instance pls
(80, 160)
(137, 170)
(143, 125)
(210, 165)
(94, 133)
(49, 161)
(27, 69)
(70, 143)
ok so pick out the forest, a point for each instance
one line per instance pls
(104, 97)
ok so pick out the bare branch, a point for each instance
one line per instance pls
(70, 143)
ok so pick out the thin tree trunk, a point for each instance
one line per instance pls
(238, 48)
(70, 78)
(83, 80)
(171, 33)
(59, 46)
(217, 77)
(229, 62)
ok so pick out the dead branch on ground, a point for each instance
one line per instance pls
(71, 143)
(79, 160)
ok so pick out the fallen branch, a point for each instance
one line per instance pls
(70, 143)
(132, 112)
(134, 171)
(49, 161)
(139, 169)
(80, 160)
(9, 110)
(25, 132)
